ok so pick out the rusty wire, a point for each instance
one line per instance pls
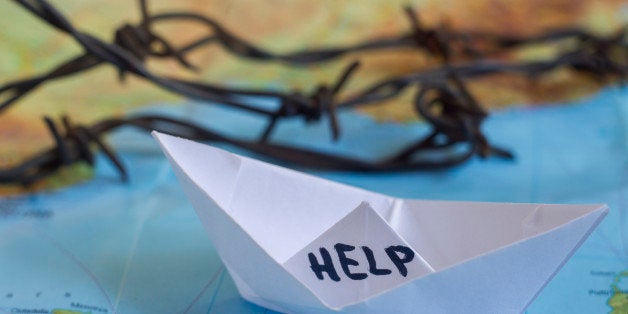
(442, 98)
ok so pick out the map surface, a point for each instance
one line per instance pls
(108, 247)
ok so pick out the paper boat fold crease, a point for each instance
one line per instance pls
(296, 243)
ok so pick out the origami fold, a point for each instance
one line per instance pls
(297, 243)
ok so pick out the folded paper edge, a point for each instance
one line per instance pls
(595, 208)
(396, 202)
(604, 211)
(159, 136)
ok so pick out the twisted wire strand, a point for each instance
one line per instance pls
(441, 96)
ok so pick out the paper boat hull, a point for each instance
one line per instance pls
(499, 276)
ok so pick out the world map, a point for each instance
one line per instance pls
(103, 246)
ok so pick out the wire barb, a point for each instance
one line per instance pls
(442, 98)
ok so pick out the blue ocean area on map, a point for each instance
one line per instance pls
(103, 246)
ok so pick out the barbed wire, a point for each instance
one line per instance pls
(442, 98)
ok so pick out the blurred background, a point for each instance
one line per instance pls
(30, 47)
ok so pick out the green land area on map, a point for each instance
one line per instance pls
(619, 299)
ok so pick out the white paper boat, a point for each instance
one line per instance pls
(296, 243)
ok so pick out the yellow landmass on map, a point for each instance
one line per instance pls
(619, 299)
(64, 311)
(31, 47)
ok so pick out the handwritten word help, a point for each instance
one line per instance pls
(399, 255)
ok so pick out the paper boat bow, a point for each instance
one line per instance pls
(296, 243)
